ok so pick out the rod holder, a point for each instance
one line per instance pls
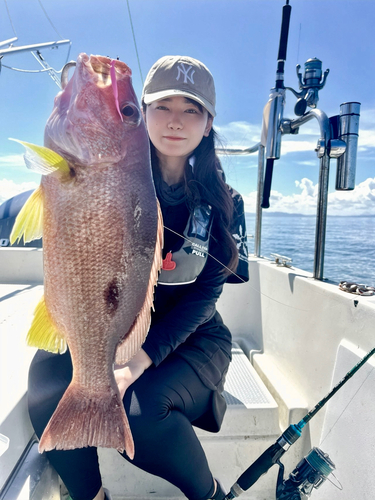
(276, 112)
(348, 132)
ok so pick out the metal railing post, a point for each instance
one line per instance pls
(321, 217)
(258, 215)
(322, 152)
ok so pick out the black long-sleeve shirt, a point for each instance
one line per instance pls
(185, 319)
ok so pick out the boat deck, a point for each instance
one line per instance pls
(295, 337)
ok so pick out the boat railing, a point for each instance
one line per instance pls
(338, 139)
(34, 49)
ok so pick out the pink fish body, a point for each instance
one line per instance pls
(102, 237)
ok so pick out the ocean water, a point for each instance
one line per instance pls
(349, 249)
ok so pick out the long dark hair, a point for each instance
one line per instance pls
(208, 184)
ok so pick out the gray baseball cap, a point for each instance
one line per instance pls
(182, 76)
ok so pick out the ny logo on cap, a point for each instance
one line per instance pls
(185, 72)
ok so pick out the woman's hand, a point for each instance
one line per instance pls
(126, 374)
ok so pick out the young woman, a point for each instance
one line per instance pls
(176, 379)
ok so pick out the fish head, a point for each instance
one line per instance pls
(96, 114)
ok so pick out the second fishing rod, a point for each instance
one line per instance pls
(318, 463)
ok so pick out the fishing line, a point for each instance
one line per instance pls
(51, 23)
(135, 42)
(346, 407)
(239, 277)
(299, 40)
(208, 253)
(35, 70)
(339, 486)
(10, 19)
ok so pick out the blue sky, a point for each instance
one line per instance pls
(238, 41)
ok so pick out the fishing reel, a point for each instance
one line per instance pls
(310, 84)
(310, 473)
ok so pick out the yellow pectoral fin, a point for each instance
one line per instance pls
(43, 334)
(29, 222)
(43, 160)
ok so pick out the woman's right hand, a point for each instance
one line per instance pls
(126, 374)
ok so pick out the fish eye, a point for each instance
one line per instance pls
(128, 111)
(131, 113)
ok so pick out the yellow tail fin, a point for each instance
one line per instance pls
(43, 334)
(29, 222)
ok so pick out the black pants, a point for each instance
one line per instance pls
(160, 407)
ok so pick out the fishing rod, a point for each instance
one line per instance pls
(310, 472)
(277, 103)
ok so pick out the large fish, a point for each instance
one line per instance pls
(102, 235)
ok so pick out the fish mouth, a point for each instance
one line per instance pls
(75, 126)
(99, 68)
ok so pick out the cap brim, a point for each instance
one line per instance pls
(149, 98)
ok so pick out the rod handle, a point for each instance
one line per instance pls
(284, 33)
(267, 183)
(283, 44)
(260, 466)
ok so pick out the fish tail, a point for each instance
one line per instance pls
(84, 419)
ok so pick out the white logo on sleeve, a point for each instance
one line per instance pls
(182, 70)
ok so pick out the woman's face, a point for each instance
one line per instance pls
(176, 125)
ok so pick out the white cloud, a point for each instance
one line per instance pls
(366, 139)
(367, 118)
(9, 188)
(238, 134)
(296, 146)
(12, 161)
(308, 188)
(307, 163)
(360, 201)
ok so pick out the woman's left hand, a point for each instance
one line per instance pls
(126, 374)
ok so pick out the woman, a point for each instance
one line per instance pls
(177, 377)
